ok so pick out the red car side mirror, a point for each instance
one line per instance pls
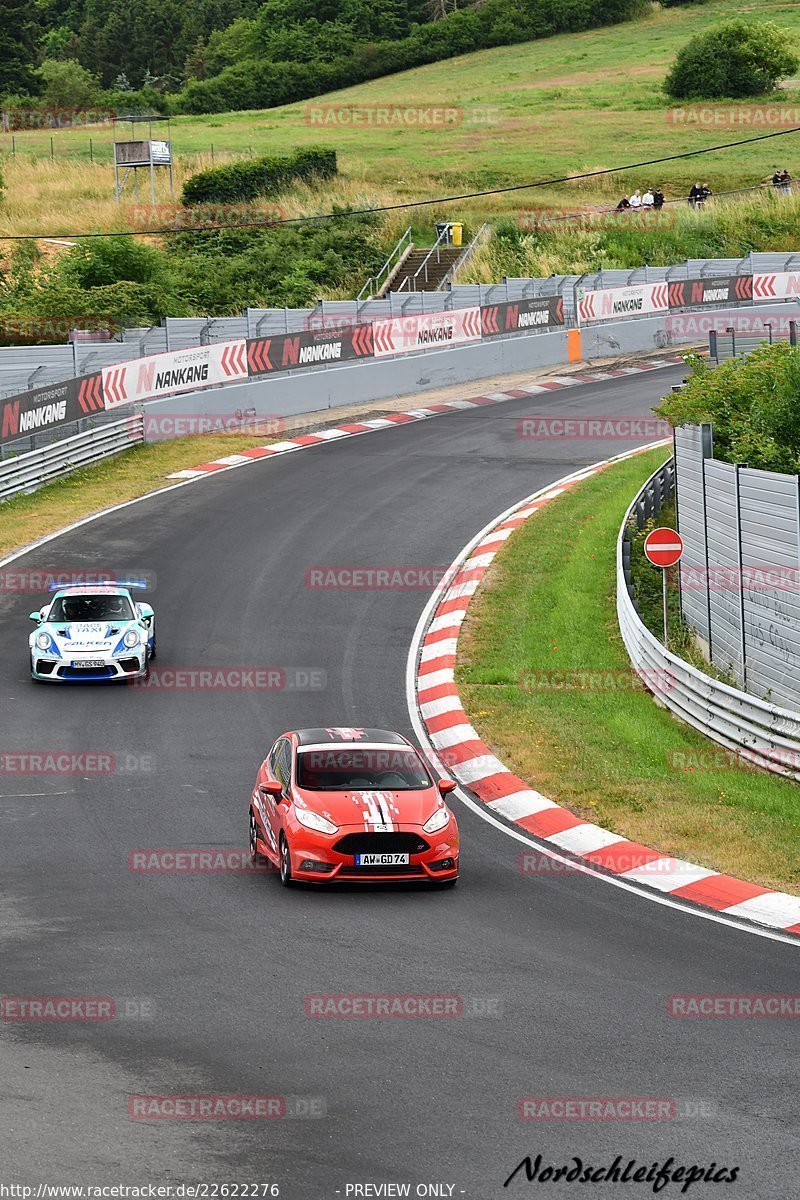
(447, 785)
(271, 787)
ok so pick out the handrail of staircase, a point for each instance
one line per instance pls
(442, 239)
(469, 250)
(373, 285)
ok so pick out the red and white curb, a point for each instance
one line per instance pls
(465, 756)
(353, 429)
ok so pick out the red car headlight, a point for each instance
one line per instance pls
(313, 820)
(438, 821)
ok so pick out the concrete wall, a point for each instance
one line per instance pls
(380, 379)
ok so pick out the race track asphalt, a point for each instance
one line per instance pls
(575, 973)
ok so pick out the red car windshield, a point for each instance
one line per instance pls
(342, 768)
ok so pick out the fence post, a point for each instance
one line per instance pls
(742, 638)
(52, 149)
(91, 152)
(706, 451)
(712, 345)
(793, 333)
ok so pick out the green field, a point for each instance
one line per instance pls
(545, 621)
(542, 109)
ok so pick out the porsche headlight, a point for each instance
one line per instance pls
(438, 821)
(131, 638)
(313, 820)
(43, 641)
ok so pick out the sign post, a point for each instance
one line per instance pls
(663, 548)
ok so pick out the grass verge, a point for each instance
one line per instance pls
(546, 680)
(128, 475)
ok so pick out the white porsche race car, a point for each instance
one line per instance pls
(92, 633)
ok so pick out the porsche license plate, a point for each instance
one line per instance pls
(381, 860)
(88, 662)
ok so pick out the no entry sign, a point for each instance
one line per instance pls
(663, 547)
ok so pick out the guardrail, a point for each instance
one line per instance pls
(733, 344)
(757, 732)
(32, 470)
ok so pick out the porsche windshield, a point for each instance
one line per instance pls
(340, 768)
(92, 608)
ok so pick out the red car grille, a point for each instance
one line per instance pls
(381, 843)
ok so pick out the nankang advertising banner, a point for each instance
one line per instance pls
(307, 349)
(725, 289)
(540, 312)
(639, 299)
(40, 409)
(175, 371)
(439, 330)
(782, 286)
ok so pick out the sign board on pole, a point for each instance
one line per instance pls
(663, 547)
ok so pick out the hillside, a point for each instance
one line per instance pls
(548, 108)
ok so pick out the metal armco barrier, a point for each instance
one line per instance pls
(38, 467)
(760, 733)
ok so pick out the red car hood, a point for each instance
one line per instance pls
(376, 811)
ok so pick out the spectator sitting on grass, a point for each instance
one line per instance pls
(648, 199)
(658, 198)
(636, 199)
(623, 204)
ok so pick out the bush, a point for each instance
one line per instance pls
(248, 180)
(752, 404)
(732, 60)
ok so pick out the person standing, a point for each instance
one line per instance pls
(658, 198)
(695, 192)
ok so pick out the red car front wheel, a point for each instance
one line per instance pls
(286, 863)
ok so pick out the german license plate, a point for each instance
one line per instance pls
(381, 860)
(88, 662)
